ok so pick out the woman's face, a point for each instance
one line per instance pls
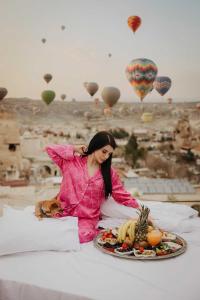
(103, 153)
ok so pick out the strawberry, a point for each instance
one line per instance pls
(110, 235)
(110, 250)
(124, 245)
(141, 249)
(105, 234)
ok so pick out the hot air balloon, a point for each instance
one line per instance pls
(3, 92)
(147, 117)
(43, 41)
(162, 84)
(63, 27)
(141, 74)
(134, 22)
(48, 96)
(110, 96)
(91, 87)
(63, 96)
(47, 77)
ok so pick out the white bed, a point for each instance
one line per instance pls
(91, 274)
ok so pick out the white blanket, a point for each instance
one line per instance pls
(91, 274)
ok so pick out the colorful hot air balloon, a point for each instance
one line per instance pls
(48, 96)
(43, 41)
(110, 96)
(3, 92)
(134, 22)
(47, 77)
(63, 96)
(162, 84)
(92, 88)
(141, 74)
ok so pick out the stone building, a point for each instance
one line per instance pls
(10, 151)
(183, 134)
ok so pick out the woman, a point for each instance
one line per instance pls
(88, 179)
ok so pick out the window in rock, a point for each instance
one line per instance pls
(12, 147)
(47, 169)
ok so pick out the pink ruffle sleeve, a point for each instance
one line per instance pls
(119, 193)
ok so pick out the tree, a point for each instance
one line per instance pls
(132, 151)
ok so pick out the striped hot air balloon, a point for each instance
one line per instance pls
(141, 74)
(162, 84)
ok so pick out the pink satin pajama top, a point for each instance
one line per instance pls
(81, 195)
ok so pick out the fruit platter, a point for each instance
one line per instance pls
(140, 239)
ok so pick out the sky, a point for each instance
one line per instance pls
(169, 35)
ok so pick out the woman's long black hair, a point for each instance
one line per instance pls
(100, 140)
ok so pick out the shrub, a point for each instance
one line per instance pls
(119, 133)
(133, 152)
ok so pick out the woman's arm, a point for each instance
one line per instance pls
(60, 153)
(119, 193)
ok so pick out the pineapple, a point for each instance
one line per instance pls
(141, 228)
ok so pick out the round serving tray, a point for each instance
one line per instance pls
(178, 252)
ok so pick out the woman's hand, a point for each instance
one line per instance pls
(81, 149)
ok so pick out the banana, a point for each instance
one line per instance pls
(131, 231)
(119, 239)
(125, 229)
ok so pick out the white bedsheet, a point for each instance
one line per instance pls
(91, 274)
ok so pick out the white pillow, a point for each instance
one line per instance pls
(110, 208)
(168, 216)
(21, 231)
